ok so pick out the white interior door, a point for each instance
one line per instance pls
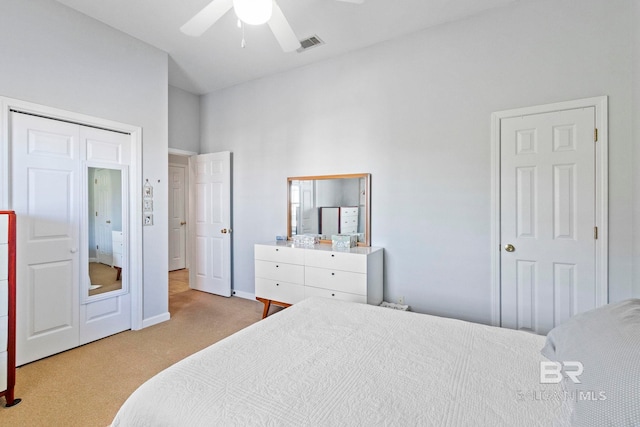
(103, 220)
(211, 220)
(45, 195)
(548, 218)
(177, 218)
(308, 218)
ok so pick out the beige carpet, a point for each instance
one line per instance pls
(104, 276)
(86, 386)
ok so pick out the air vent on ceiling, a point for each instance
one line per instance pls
(308, 43)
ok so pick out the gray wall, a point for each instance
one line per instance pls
(60, 58)
(635, 16)
(184, 120)
(415, 113)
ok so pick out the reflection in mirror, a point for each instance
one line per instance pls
(329, 205)
(104, 230)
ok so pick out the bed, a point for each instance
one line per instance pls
(323, 362)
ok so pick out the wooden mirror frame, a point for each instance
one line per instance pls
(367, 206)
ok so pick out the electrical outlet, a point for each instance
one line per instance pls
(401, 300)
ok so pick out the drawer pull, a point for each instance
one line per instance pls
(333, 295)
(277, 284)
(332, 255)
(277, 249)
(277, 266)
(333, 274)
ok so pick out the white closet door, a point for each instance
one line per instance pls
(45, 195)
(548, 218)
(108, 313)
(54, 310)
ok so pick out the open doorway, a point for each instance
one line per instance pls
(178, 211)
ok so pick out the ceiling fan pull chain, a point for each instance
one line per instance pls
(243, 43)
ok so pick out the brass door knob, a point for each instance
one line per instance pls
(509, 247)
(183, 222)
(223, 231)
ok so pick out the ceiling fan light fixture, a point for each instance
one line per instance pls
(253, 12)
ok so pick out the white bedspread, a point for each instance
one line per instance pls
(324, 363)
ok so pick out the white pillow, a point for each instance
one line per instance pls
(606, 341)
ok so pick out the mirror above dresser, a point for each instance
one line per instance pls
(328, 205)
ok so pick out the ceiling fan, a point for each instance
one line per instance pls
(253, 12)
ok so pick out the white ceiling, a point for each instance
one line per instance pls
(215, 60)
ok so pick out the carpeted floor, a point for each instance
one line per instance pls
(86, 386)
(104, 276)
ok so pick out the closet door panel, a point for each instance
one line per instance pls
(46, 198)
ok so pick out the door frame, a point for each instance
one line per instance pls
(135, 181)
(600, 103)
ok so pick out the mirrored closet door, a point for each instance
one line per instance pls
(69, 189)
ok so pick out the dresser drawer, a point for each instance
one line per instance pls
(310, 291)
(3, 370)
(290, 293)
(338, 280)
(279, 254)
(336, 260)
(4, 261)
(349, 212)
(348, 227)
(117, 259)
(280, 271)
(4, 297)
(4, 228)
(4, 334)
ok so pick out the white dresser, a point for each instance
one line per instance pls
(116, 250)
(8, 306)
(349, 220)
(286, 274)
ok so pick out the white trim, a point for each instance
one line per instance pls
(242, 294)
(179, 152)
(135, 181)
(600, 103)
(150, 321)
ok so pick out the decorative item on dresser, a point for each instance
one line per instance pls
(286, 274)
(8, 307)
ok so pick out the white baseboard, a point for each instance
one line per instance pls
(241, 294)
(155, 320)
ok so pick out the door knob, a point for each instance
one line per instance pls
(73, 250)
(509, 247)
(108, 222)
(223, 231)
(183, 222)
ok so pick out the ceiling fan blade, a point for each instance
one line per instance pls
(352, 1)
(282, 30)
(208, 16)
